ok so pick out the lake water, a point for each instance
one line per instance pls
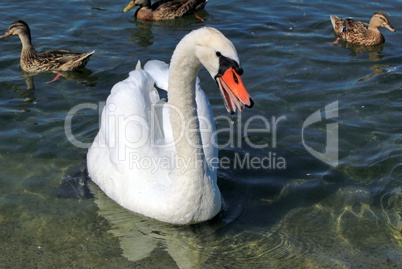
(324, 189)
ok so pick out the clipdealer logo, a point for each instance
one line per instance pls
(271, 160)
(331, 153)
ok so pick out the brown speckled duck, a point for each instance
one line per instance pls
(361, 33)
(165, 9)
(53, 60)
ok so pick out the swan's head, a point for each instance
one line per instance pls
(220, 58)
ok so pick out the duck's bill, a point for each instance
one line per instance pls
(235, 95)
(129, 6)
(5, 35)
(389, 27)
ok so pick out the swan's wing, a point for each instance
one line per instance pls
(159, 71)
(126, 132)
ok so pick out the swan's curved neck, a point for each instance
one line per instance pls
(193, 190)
(183, 71)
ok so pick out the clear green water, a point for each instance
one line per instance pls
(307, 215)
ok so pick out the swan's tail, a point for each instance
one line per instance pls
(138, 66)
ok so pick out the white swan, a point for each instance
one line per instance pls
(157, 158)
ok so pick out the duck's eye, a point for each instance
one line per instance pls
(218, 54)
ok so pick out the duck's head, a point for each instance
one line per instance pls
(220, 58)
(17, 28)
(139, 3)
(380, 19)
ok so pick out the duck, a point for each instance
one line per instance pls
(165, 9)
(361, 33)
(158, 157)
(48, 61)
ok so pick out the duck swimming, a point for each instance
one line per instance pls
(51, 61)
(361, 33)
(165, 9)
(158, 158)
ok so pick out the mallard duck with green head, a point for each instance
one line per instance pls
(361, 33)
(52, 60)
(165, 9)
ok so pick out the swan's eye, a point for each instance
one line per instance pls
(218, 54)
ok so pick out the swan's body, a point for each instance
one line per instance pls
(157, 158)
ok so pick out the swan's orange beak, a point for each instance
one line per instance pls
(233, 91)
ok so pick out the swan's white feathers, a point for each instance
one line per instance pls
(116, 155)
(134, 96)
(159, 71)
(133, 158)
(214, 41)
(138, 66)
